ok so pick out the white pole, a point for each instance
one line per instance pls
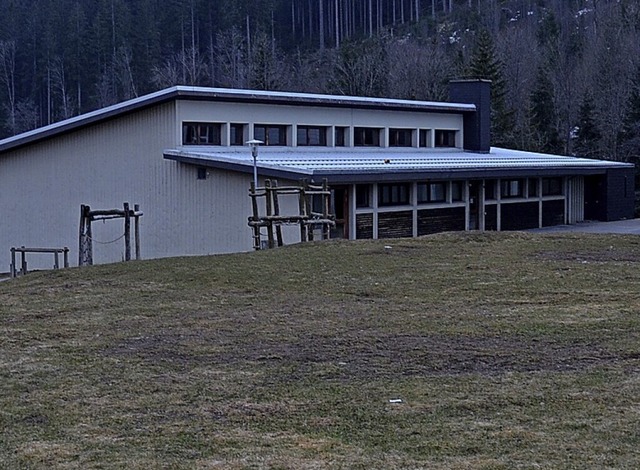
(254, 153)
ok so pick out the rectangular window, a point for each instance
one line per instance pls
(393, 194)
(511, 188)
(532, 191)
(457, 191)
(201, 133)
(551, 186)
(425, 140)
(270, 134)
(340, 137)
(312, 135)
(400, 137)
(236, 134)
(489, 190)
(366, 137)
(445, 138)
(432, 192)
(202, 173)
(363, 195)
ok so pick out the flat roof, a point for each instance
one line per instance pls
(228, 95)
(388, 164)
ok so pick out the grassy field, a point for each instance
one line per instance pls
(456, 351)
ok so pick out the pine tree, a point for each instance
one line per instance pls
(544, 115)
(485, 64)
(588, 135)
(630, 135)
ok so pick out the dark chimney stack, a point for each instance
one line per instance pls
(477, 125)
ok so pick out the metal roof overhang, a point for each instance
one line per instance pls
(393, 173)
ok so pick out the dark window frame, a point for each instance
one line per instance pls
(394, 194)
(490, 190)
(400, 137)
(201, 133)
(340, 136)
(428, 192)
(363, 196)
(366, 136)
(457, 195)
(304, 132)
(445, 138)
(424, 140)
(235, 137)
(267, 132)
(512, 188)
(552, 187)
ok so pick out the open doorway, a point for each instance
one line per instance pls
(475, 204)
(340, 207)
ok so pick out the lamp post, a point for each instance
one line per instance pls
(254, 153)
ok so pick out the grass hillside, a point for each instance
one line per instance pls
(456, 351)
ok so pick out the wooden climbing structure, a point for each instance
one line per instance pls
(310, 197)
(85, 251)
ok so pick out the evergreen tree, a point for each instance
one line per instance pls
(544, 116)
(630, 136)
(588, 136)
(485, 64)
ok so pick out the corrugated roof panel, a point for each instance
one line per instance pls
(391, 159)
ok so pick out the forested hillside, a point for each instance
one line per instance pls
(566, 73)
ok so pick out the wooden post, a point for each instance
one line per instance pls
(256, 216)
(326, 199)
(308, 210)
(268, 195)
(276, 211)
(136, 228)
(81, 237)
(303, 212)
(127, 232)
(13, 262)
(56, 260)
(24, 261)
(66, 257)
(89, 240)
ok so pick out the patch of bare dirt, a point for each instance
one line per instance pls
(362, 357)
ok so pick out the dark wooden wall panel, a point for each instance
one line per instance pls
(491, 217)
(440, 220)
(519, 216)
(364, 226)
(395, 224)
(552, 213)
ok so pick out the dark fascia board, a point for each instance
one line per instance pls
(371, 176)
(225, 95)
(411, 175)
